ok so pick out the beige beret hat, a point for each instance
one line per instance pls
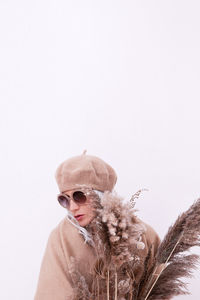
(85, 170)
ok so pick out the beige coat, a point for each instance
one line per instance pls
(64, 241)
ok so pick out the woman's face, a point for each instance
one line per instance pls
(84, 213)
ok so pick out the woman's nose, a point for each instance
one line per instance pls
(73, 205)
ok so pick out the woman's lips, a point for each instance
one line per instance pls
(79, 217)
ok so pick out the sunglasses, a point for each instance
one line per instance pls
(78, 197)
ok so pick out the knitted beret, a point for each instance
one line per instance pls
(85, 170)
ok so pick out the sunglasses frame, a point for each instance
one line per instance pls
(84, 191)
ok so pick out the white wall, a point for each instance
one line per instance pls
(118, 78)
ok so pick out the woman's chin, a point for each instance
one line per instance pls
(84, 222)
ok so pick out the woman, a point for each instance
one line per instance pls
(73, 255)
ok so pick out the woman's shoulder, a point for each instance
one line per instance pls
(68, 238)
(150, 234)
(63, 231)
(63, 225)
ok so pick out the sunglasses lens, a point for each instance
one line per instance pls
(63, 201)
(79, 197)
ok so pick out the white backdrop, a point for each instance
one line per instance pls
(118, 78)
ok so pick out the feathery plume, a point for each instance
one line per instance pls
(116, 237)
(172, 255)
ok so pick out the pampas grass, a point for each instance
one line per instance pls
(172, 254)
(117, 241)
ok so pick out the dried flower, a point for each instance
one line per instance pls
(117, 240)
